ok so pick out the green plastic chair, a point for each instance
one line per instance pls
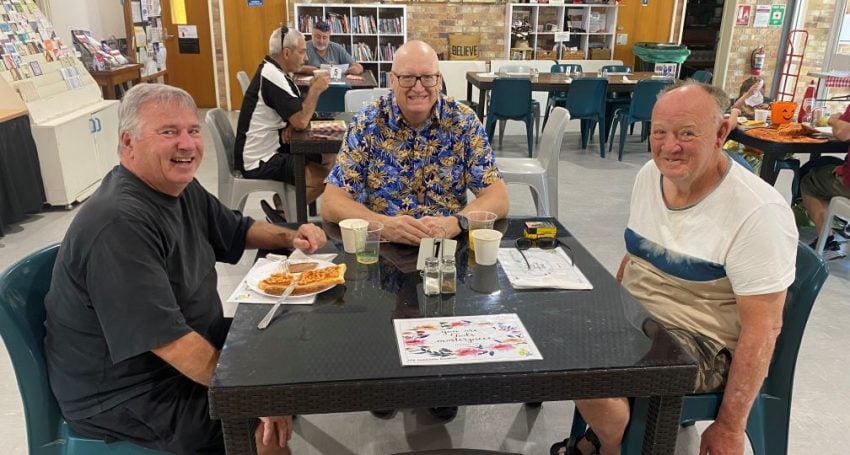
(703, 76)
(638, 110)
(767, 426)
(586, 101)
(332, 99)
(510, 99)
(615, 69)
(22, 290)
(559, 98)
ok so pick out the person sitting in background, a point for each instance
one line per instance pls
(699, 262)
(408, 159)
(823, 183)
(749, 87)
(322, 51)
(271, 110)
(134, 320)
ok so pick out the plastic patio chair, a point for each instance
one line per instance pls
(358, 99)
(22, 290)
(233, 189)
(510, 99)
(767, 426)
(332, 99)
(520, 71)
(559, 98)
(838, 206)
(703, 76)
(244, 81)
(586, 101)
(638, 110)
(615, 69)
(541, 172)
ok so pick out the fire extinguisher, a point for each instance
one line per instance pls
(807, 104)
(757, 61)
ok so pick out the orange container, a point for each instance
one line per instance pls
(782, 112)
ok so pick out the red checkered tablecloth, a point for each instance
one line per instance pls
(836, 81)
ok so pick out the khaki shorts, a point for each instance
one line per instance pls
(714, 360)
(822, 183)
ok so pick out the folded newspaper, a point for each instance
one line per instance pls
(542, 269)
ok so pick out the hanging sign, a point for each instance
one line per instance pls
(743, 16)
(255, 2)
(777, 15)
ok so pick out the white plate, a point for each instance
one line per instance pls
(260, 273)
(824, 129)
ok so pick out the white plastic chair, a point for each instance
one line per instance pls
(355, 99)
(233, 189)
(244, 80)
(838, 206)
(540, 173)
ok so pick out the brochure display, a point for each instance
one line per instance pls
(75, 130)
(145, 30)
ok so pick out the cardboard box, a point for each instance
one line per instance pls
(600, 54)
(545, 55)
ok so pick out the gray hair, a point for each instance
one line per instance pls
(721, 99)
(129, 111)
(290, 41)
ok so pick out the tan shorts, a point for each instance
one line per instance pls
(714, 360)
(822, 183)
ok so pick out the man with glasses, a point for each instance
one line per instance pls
(409, 158)
(271, 109)
(322, 51)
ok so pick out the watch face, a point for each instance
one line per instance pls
(462, 222)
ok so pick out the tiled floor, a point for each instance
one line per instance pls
(594, 195)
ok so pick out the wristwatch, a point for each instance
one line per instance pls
(462, 222)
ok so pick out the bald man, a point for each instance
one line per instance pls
(438, 151)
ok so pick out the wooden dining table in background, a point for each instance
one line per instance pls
(547, 82)
(365, 80)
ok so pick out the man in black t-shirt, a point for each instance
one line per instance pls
(134, 320)
(271, 109)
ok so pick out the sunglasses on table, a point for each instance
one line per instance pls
(544, 243)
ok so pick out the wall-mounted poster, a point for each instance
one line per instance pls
(762, 16)
(777, 15)
(743, 16)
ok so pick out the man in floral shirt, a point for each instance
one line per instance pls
(409, 158)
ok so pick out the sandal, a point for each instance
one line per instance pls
(571, 445)
(272, 216)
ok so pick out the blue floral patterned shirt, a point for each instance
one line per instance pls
(395, 169)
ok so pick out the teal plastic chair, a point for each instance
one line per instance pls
(332, 99)
(615, 69)
(703, 76)
(510, 99)
(767, 426)
(559, 98)
(638, 110)
(22, 290)
(586, 101)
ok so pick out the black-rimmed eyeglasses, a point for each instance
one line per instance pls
(544, 243)
(427, 80)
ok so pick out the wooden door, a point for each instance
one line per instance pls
(246, 38)
(642, 23)
(192, 70)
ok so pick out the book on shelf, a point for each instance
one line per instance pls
(390, 25)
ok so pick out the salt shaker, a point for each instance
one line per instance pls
(448, 276)
(431, 276)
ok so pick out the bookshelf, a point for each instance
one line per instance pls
(145, 33)
(371, 33)
(592, 30)
(74, 129)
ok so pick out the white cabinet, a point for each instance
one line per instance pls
(371, 33)
(592, 30)
(76, 150)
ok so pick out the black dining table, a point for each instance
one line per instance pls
(548, 82)
(776, 150)
(340, 353)
(21, 188)
(312, 142)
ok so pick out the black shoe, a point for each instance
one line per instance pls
(272, 216)
(385, 414)
(444, 414)
(830, 241)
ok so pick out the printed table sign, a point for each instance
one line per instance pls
(463, 339)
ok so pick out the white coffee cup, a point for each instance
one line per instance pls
(351, 229)
(486, 245)
(761, 115)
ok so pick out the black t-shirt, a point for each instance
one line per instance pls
(136, 270)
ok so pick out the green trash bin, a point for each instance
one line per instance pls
(648, 54)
